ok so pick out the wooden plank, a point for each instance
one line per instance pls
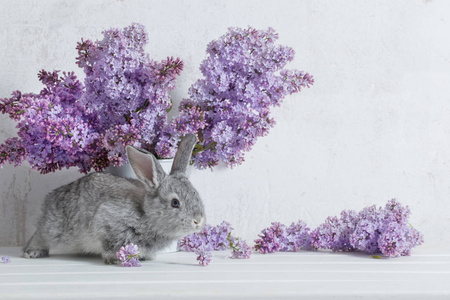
(308, 275)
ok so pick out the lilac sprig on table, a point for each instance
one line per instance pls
(335, 232)
(6, 259)
(239, 248)
(214, 238)
(129, 256)
(280, 237)
(384, 230)
(203, 257)
(244, 76)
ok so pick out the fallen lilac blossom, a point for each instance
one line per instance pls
(214, 238)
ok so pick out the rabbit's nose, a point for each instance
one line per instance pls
(198, 222)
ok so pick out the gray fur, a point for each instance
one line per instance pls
(183, 156)
(100, 212)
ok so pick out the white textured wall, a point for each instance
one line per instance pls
(375, 125)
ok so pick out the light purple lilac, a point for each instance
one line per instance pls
(124, 100)
(279, 237)
(239, 248)
(373, 230)
(129, 256)
(229, 108)
(214, 238)
(203, 257)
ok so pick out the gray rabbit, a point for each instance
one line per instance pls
(99, 213)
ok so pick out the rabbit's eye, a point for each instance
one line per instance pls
(175, 203)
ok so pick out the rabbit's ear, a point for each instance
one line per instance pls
(183, 156)
(145, 166)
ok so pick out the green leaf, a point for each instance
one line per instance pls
(171, 105)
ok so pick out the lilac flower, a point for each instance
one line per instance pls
(335, 233)
(132, 262)
(12, 150)
(52, 127)
(398, 239)
(240, 249)
(368, 229)
(397, 212)
(203, 257)
(210, 238)
(129, 256)
(230, 107)
(296, 238)
(271, 238)
(129, 87)
(6, 259)
(16, 105)
(214, 238)
(124, 100)
(278, 237)
(373, 230)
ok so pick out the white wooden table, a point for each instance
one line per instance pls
(301, 275)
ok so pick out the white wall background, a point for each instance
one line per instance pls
(375, 125)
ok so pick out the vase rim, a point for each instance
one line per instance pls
(165, 159)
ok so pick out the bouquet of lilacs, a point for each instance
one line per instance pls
(214, 238)
(372, 230)
(125, 100)
(229, 108)
(280, 237)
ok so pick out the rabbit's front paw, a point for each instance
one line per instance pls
(35, 252)
(110, 259)
(147, 257)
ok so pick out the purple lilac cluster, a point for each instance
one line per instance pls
(229, 108)
(214, 238)
(280, 237)
(335, 232)
(124, 100)
(373, 230)
(129, 256)
(128, 91)
(54, 128)
(6, 259)
(239, 248)
(203, 257)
